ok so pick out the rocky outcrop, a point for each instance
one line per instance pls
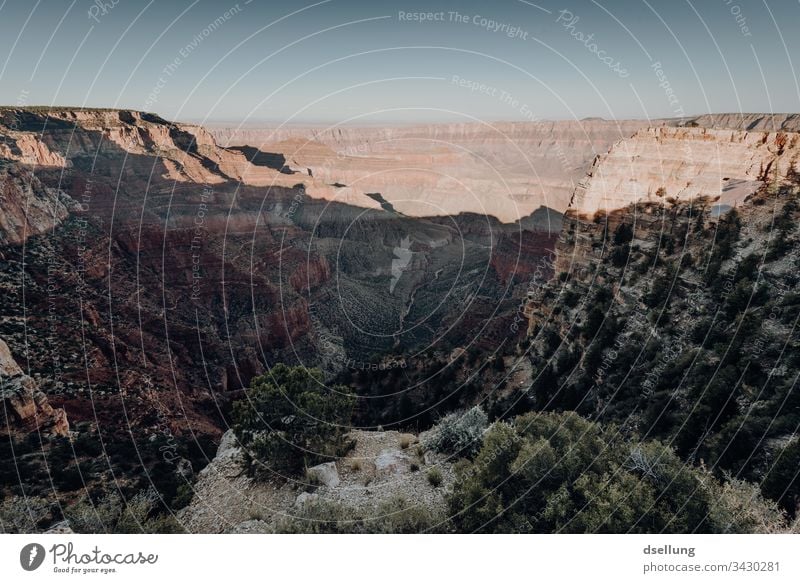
(683, 163)
(383, 466)
(25, 408)
(27, 207)
(28, 149)
(61, 138)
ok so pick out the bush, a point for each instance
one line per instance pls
(558, 472)
(623, 234)
(782, 481)
(738, 507)
(435, 477)
(23, 514)
(290, 420)
(113, 515)
(458, 433)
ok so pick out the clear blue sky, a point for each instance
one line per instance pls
(257, 61)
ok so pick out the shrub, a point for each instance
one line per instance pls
(290, 420)
(406, 440)
(23, 514)
(113, 515)
(623, 234)
(782, 481)
(435, 477)
(458, 433)
(558, 472)
(738, 507)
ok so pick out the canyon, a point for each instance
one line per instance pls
(148, 273)
(505, 170)
(150, 269)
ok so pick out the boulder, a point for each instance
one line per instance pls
(324, 474)
(62, 527)
(304, 498)
(392, 462)
(229, 461)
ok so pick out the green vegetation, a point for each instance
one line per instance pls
(458, 433)
(290, 420)
(113, 515)
(699, 354)
(62, 466)
(110, 513)
(557, 472)
(435, 477)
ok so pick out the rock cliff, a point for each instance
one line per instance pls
(25, 408)
(683, 163)
(28, 207)
(505, 170)
(177, 274)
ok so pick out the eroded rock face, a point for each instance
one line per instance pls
(178, 268)
(28, 207)
(24, 407)
(66, 138)
(505, 170)
(684, 163)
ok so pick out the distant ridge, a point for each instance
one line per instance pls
(761, 122)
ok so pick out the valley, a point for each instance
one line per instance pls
(151, 270)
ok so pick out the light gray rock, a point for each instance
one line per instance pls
(304, 498)
(229, 461)
(251, 527)
(8, 366)
(392, 462)
(324, 474)
(62, 527)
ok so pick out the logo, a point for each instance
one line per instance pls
(31, 556)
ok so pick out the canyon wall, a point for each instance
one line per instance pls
(506, 170)
(683, 163)
(160, 272)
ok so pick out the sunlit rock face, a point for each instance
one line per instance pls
(686, 162)
(505, 170)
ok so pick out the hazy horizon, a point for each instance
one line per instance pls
(271, 123)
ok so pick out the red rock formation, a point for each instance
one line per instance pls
(25, 408)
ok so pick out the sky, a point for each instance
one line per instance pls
(342, 61)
